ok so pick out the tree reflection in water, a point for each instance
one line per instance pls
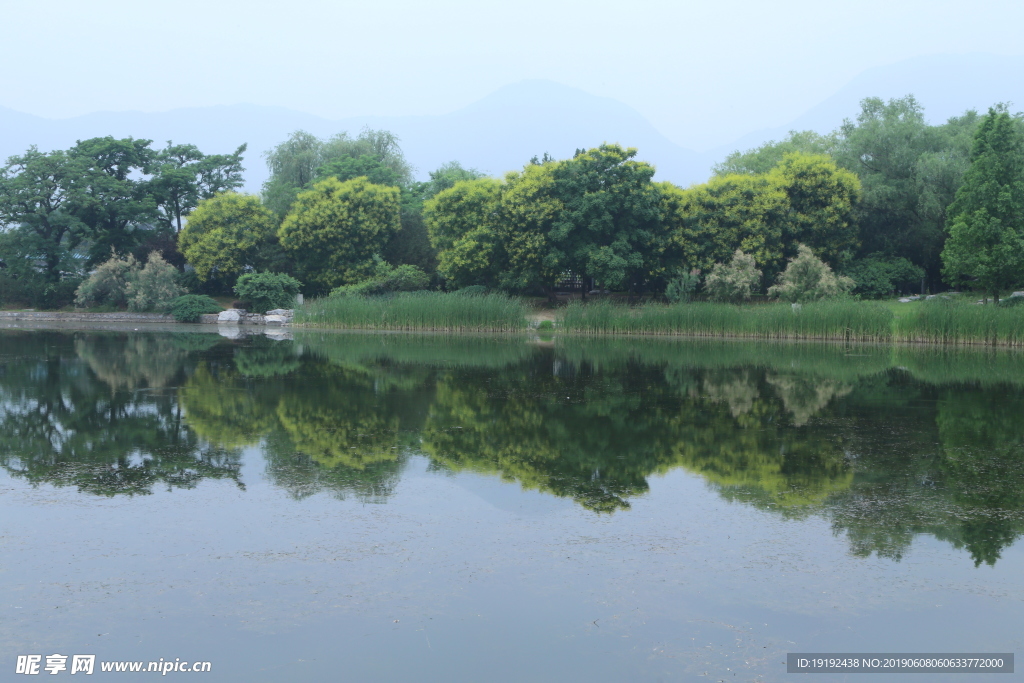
(885, 443)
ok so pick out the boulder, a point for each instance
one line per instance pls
(271, 319)
(232, 315)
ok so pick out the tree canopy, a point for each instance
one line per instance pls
(335, 228)
(986, 237)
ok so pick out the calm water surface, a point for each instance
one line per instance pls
(398, 507)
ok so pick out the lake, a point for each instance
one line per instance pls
(394, 507)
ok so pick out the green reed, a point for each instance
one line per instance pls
(941, 321)
(434, 311)
(847, 320)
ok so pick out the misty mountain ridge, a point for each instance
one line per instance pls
(503, 130)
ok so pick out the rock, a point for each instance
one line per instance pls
(232, 315)
(286, 312)
(278, 335)
(907, 299)
(276, 319)
(1016, 294)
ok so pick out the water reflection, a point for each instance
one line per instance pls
(96, 412)
(886, 443)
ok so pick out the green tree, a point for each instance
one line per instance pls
(986, 237)
(909, 173)
(610, 226)
(769, 155)
(228, 234)
(184, 176)
(39, 197)
(335, 228)
(303, 159)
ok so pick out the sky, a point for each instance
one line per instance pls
(702, 72)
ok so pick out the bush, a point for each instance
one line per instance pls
(154, 286)
(267, 291)
(877, 276)
(734, 281)
(1011, 301)
(107, 285)
(472, 290)
(122, 283)
(387, 279)
(808, 278)
(683, 287)
(188, 308)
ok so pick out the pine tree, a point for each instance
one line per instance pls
(986, 233)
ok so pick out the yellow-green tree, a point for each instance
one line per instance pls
(226, 234)
(822, 197)
(334, 229)
(713, 220)
(464, 225)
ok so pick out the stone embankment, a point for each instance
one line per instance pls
(234, 316)
(83, 317)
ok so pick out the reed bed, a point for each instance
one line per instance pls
(941, 321)
(427, 311)
(832, 320)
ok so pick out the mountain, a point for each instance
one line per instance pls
(499, 133)
(945, 85)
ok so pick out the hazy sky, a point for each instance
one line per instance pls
(723, 67)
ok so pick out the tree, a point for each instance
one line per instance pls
(909, 173)
(303, 159)
(808, 278)
(769, 155)
(736, 212)
(465, 227)
(334, 229)
(39, 196)
(610, 226)
(228, 234)
(734, 281)
(822, 198)
(184, 176)
(445, 177)
(986, 237)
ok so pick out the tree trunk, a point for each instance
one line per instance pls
(995, 298)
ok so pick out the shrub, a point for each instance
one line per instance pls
(683, 287)
(267, 291)
(877, 276)
(387, 279)
(107, 285)
(808, 278)
(546, 325)
(734, 281)
(1012, 301)
(152, 287)
(124, 283)
(471, 290)
(188, 308)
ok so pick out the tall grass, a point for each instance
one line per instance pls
(959, 322)
(846, 320)
(433, 311)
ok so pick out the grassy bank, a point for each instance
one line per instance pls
(939, 321)
(853, 320)
(936, 322)
(433, 311)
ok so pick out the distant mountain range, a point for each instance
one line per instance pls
(503, 130)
